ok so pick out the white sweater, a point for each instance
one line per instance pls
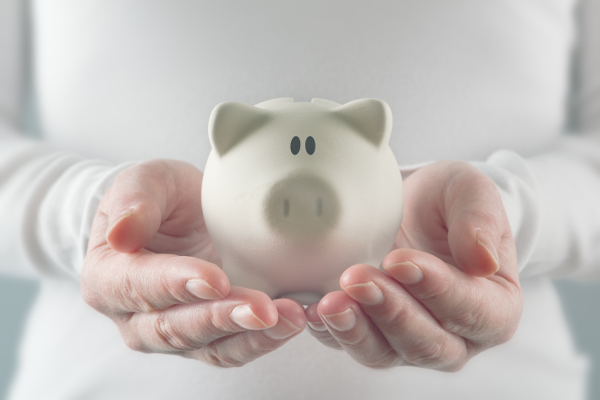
(105, 83)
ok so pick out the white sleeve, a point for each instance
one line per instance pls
(553, 200)
(47, 198)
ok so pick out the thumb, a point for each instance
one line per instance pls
(476, 222)
(136, 205)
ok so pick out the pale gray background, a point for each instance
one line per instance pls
(581, 303)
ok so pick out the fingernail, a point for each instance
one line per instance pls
(482, 240)
(284, 328)
(365, 293)
(244, 317)
(405, 272)
(343, 321)
(201, 289)
(317, 326)
(126, 214)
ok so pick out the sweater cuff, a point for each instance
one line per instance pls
(68, 210)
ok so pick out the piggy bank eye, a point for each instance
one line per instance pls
(310, 145)
(295, 146)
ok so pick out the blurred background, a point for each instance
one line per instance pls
(580, 301)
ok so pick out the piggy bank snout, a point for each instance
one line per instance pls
(302, 206)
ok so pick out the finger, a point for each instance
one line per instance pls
(188, 327)
(242, 348)
(407, 326)
(356, 333)
(291, 319)
(134, 207)
(480, 309)
(116, 283)
(317, 327)
(147, 197)
(476, 222)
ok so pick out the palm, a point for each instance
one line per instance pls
(168, 212)
(183, 229)
(184, 233)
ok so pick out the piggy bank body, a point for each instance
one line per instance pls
(294, 193)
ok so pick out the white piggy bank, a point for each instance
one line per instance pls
(294, 193)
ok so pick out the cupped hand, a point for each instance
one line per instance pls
(152, 268)
(450, 289)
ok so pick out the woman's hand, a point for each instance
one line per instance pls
(152, 268)
(452, 289)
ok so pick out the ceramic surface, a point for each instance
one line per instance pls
(294, 193)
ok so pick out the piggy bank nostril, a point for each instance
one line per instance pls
(286, 207)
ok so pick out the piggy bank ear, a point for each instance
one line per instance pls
(231, 122)
(371, 118)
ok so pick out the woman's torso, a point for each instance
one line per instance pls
(134, 80)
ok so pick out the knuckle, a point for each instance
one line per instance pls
(131, 297)
(218, 323)
(245, 349)
(355, 343)
(385, 360)
(470, 317)
(170, 335)
(326, 339)
(433, 291)
(331, 343)
(401, 317)
(173, 291)
(258, 345)
(466, 323)
(212, 355)
(427, 355)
